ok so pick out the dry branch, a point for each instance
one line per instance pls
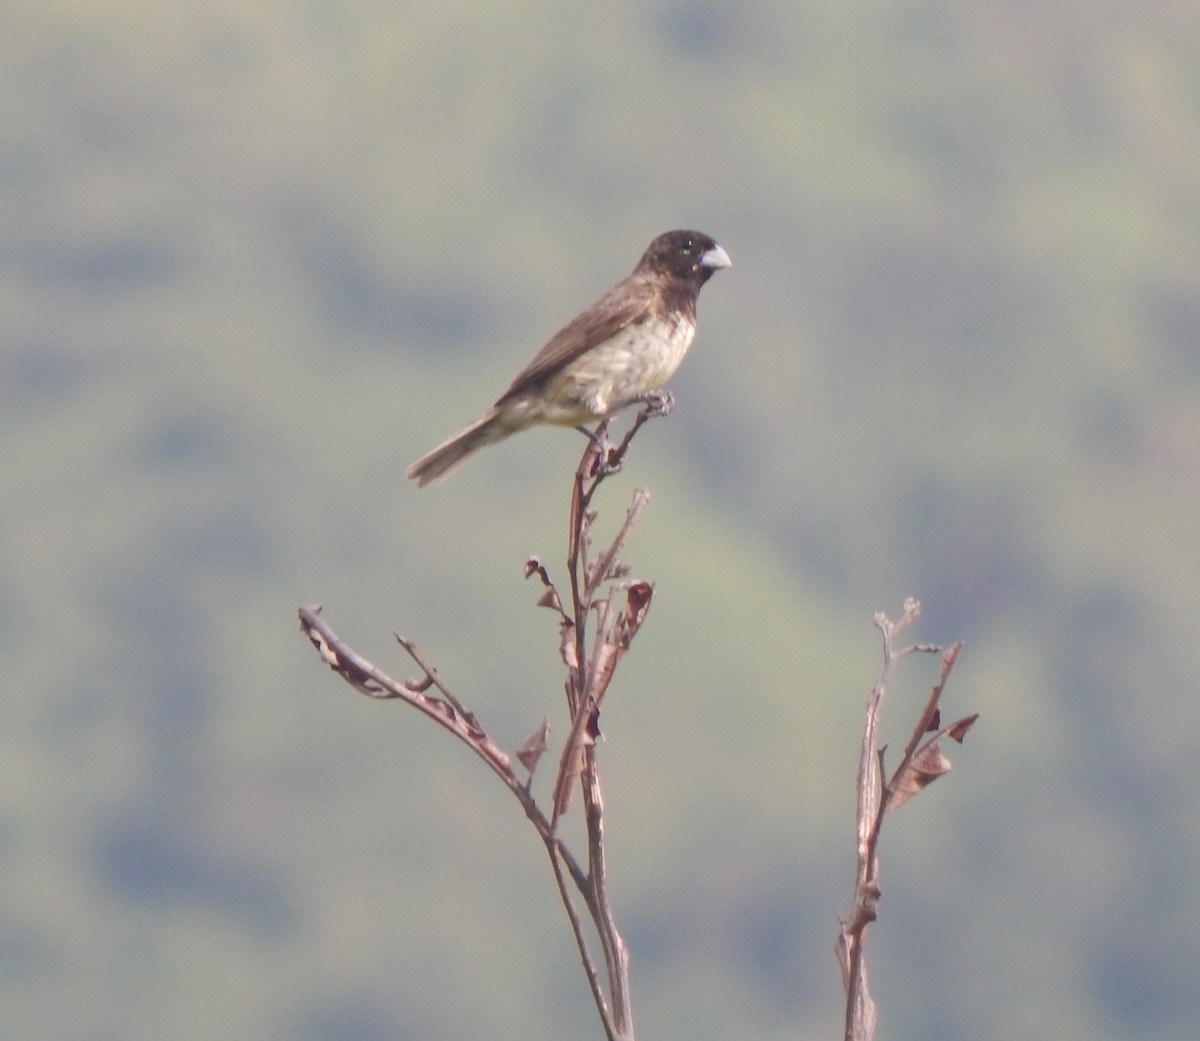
(601, 593)
(922, 762)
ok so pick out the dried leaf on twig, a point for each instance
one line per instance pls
(534, 566)
(567, 649)
(928, 763)
(531, 751)
(568, 776)
(958, 731)
(550, 597)
(637, 603)
(925, 767)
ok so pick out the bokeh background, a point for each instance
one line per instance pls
(255, 258)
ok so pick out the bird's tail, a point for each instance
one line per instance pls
(448, 456)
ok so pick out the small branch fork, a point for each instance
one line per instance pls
(601, 596)
(922, 763)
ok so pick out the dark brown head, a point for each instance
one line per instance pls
(689, 256)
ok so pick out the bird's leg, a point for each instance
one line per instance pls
(599, 440)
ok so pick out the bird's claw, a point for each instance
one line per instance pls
(607, 461)
(658, 402)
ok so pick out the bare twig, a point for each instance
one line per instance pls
(922, 763)
(375, 683)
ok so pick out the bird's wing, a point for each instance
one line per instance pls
(625, 304)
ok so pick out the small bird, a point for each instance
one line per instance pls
(619, 351)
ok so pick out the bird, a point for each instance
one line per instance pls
(618, 352)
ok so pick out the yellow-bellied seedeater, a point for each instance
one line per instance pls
(619, 351)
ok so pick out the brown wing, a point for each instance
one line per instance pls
(625, 304)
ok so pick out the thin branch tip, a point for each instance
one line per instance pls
(922, 762)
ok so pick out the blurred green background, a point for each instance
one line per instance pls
(255, 258)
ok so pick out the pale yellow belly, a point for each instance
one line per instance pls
(611, 375)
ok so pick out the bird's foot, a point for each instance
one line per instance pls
(657, 402)
(607, 458)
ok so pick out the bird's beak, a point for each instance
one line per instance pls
(715, 258)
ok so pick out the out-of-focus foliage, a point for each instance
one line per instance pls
(254, 258)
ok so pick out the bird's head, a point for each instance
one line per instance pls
(689, 255)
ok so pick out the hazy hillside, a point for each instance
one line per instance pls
(254, 259)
